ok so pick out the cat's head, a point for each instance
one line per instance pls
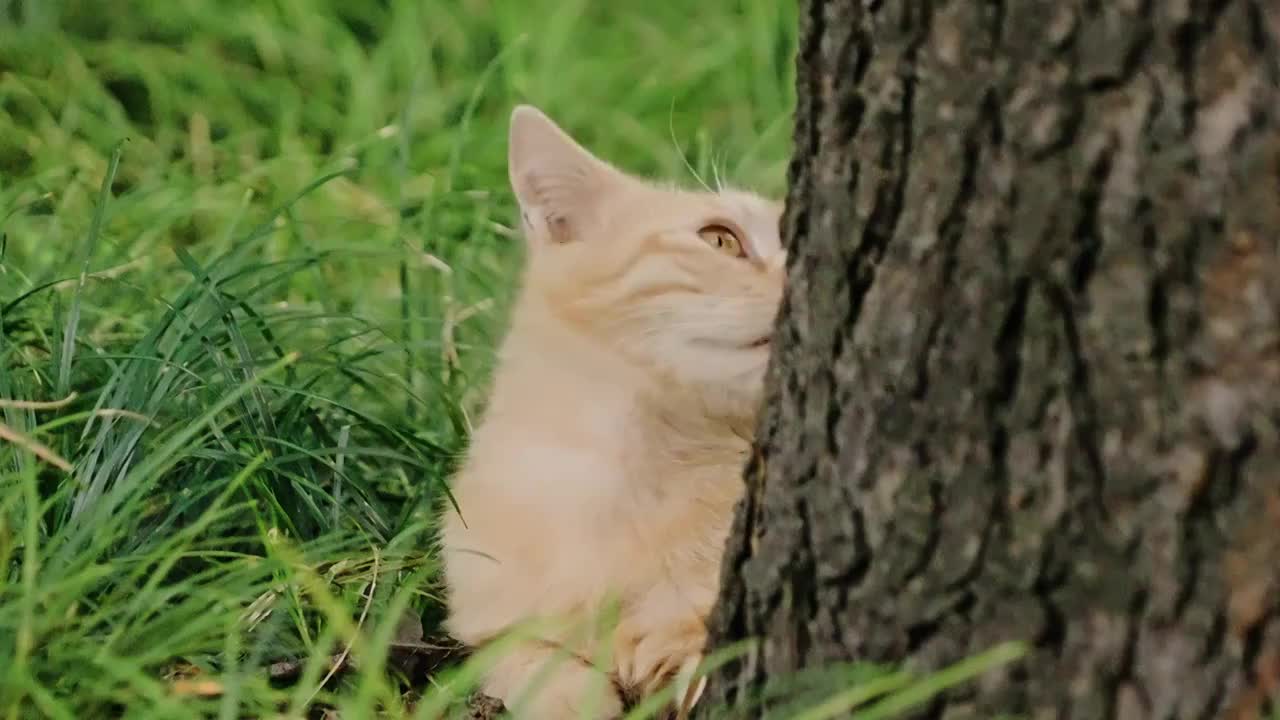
(684, 283)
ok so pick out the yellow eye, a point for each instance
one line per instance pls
(722, 239)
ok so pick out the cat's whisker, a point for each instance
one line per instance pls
(671, 128)
(715, 171)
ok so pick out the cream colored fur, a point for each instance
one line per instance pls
(609, 459)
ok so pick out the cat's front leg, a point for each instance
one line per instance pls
(537, 681)
(652, 650)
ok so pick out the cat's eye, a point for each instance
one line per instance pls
(723, 239)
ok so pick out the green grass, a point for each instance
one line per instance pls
(255, 260)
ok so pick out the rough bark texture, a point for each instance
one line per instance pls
(1027, 377)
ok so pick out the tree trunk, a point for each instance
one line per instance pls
(1026, 383)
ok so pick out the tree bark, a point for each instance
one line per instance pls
(1026, 382)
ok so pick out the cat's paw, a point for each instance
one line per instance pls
(568, 690)
(647, 657)
(567, 697)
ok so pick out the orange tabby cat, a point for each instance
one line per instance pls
(609, 461)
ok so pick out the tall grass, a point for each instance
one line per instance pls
(255, 258)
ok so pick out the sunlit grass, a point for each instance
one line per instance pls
(256, 334)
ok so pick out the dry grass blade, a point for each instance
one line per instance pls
(342, 658)
(37, 404)
(35, 447)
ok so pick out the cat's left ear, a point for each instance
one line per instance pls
(558, 183)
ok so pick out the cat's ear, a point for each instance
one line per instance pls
(558, 183)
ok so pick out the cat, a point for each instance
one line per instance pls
(606, 468)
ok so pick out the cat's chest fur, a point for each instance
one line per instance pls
(619, 483)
